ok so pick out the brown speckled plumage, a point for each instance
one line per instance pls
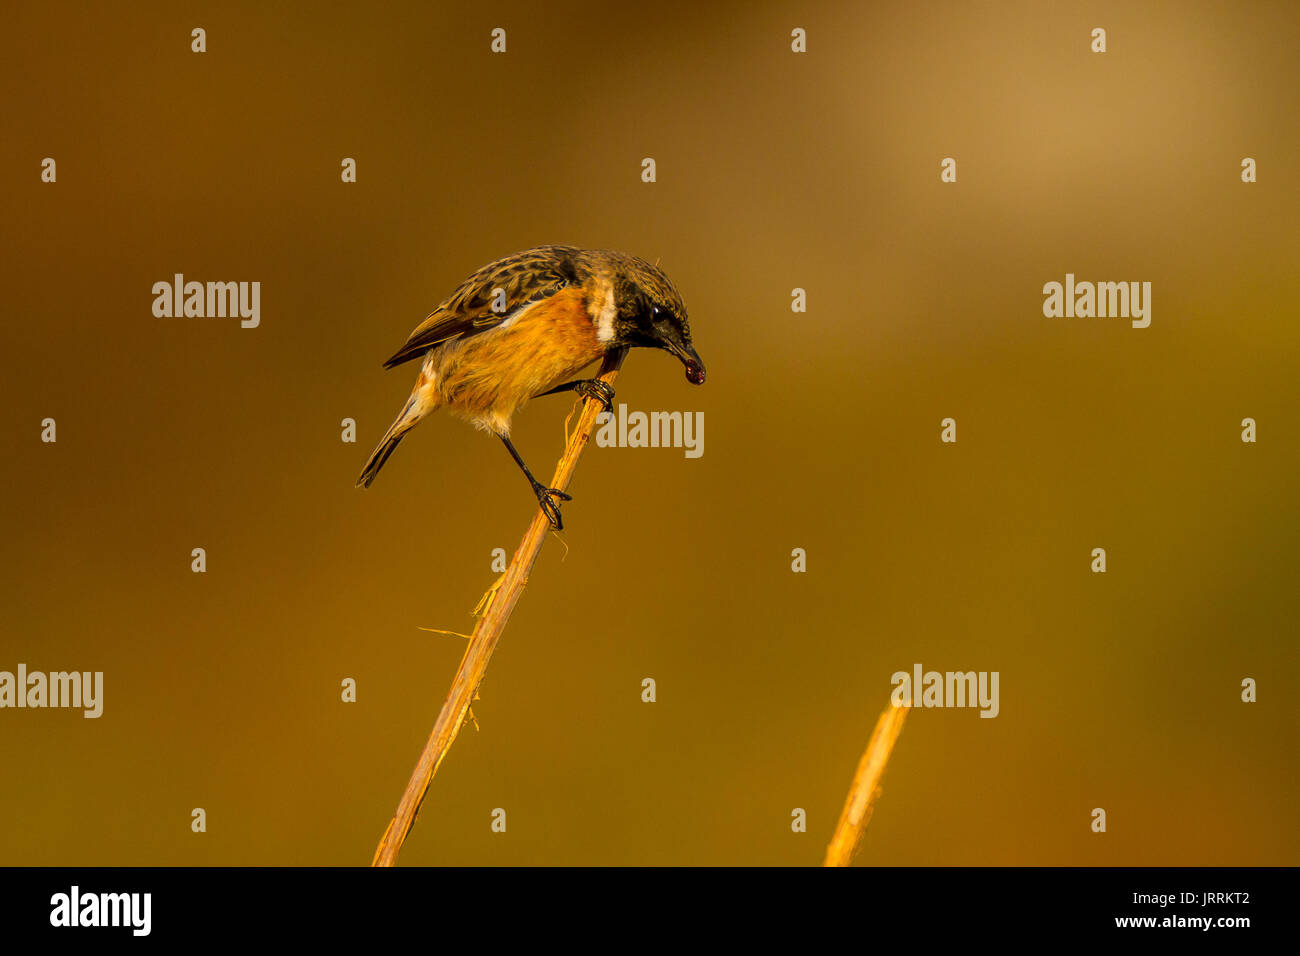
(525, 323)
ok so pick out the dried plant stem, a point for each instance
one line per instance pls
(503, 597)
(866, 787)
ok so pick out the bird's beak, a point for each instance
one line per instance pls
(691, 359)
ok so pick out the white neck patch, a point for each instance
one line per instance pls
(603, 309)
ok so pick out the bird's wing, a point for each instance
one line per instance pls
(526, 277)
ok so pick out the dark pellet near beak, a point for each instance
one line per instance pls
(694, 364)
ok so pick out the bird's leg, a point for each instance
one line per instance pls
(594, 388)
(545, 496)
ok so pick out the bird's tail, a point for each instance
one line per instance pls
(379, 456)
(416, 408)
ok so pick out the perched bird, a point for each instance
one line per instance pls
(520, 327)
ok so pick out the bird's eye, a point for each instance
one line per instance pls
(658, 314)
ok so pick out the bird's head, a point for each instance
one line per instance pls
(651, 314)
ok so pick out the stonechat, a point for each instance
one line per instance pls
(521, 327)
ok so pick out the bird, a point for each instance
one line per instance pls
(523, 326)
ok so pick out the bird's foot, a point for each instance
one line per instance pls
(550, 507)
(597, 390)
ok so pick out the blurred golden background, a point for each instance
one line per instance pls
(776, 170)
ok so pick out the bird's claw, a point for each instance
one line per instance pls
(599, 391)
(546, 499)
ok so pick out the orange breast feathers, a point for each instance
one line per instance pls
(488, 377)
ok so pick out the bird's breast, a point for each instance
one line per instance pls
(489, 376)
